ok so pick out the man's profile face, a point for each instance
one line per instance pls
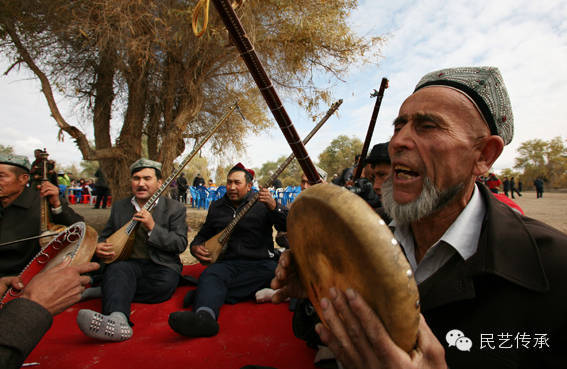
(304, 182)
(11, 184)
(236, 186)
(434, 137)
(377, 174)
(145, 183)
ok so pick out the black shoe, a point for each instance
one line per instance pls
(189, 324)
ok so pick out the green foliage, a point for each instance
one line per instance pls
(221, 173)
(88, 169)
(73, 169)
(339, 155)
(199, 164)
(546, 159)
(508, 172)
(291, 176)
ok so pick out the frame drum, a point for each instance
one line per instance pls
(81, 253)
(339, 241)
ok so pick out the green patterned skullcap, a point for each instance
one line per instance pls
(144, 163)
(16, 160)
(485, 87)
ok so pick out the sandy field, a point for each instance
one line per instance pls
(551, 209)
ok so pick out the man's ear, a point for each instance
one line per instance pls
(23, 179)
(490, 149)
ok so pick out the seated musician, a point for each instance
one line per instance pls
(20, 213)
(249, 262)
(492, 274)
(151, 273)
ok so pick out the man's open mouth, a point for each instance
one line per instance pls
(403, 172)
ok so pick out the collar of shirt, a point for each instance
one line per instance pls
(137, 206)
(462, 237)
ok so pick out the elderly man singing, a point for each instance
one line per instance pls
(484, 272)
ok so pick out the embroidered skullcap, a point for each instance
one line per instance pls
(378, 154)
(16, 160)
(144, 163)
(241, 167)
(485, 87)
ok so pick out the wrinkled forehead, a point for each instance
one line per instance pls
(438, 98)
(441, 101)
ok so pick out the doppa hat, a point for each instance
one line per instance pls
(16, 160)
(241, 167)
(145, 163)
(485, 87)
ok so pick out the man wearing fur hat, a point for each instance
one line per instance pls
(492, 274)
(151, 273)
(247, 265)
(20, 213)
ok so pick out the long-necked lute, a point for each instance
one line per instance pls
(218, 244)
(244, 45)
(46, 227)
(123, 239)
(379, 95)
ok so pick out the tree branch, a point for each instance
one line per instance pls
(79, 137)
(13, 66)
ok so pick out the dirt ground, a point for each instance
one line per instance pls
(551, 209)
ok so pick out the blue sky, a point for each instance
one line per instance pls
(527, 40)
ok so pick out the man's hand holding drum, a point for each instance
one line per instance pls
(354, 332)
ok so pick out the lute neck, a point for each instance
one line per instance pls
(153, 200)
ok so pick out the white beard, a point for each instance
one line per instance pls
(430, 200)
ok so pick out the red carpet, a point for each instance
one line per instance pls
(249, 334)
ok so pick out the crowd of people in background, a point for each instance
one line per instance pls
(509, 185)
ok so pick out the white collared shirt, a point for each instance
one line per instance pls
(462, 237)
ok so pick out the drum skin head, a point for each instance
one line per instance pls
(80, 252)
(339, 241)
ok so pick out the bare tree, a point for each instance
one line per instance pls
(138, 63)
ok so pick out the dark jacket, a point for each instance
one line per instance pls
(198, 181)
(515, 284)
(100, 179)
(22, 324)
(22, 219)
(252, 236)
(169, 236)
(182, 184)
